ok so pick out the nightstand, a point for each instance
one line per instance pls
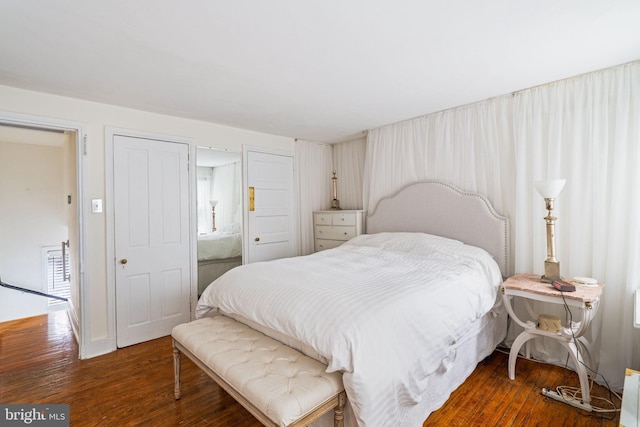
(586, 299)
(333, 228)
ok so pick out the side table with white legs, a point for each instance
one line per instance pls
(586, 299)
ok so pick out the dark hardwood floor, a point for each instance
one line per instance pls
(134, 386)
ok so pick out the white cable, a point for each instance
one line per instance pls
(575, 394)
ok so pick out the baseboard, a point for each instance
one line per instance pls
(73, 319)
(97, 348)
(94, 348)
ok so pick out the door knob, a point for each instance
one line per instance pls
(257, 239)
(123, 261)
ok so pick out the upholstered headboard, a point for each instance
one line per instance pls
(441, 209)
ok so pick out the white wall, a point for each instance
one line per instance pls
(32, 216)
(96, 117)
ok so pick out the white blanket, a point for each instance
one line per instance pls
(220, 244)
(384, 309)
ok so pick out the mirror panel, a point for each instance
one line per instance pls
(219, 206)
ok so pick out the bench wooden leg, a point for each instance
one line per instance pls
(338, 412)
(176, 372)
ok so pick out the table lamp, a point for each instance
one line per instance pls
(549, 190)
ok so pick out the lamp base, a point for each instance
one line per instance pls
(551, 272)
(335, 205)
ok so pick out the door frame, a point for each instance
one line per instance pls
(110, 133)
(80, 317)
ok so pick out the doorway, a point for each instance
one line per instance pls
(41, 207)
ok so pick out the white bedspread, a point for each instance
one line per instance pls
(382, 308)
(220, 244)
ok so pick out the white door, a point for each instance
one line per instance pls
(151, 218)
(270, 205)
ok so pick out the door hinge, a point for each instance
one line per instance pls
(84, 145)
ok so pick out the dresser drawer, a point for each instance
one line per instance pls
(322, 244)
(334, 232)
(344, 219)
(334, 218)
(322, 218)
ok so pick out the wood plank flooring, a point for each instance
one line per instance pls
(134, 386)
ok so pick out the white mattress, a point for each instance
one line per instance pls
(384, 309)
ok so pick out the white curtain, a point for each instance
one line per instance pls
(315, 169)
(204, 188)
(227, 191)
(348, 162)
(469, 147)
(585, 129)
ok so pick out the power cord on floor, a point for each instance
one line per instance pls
(574, 394)
(571, 392)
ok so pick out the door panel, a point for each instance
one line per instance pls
(271, 230)
(151, 217)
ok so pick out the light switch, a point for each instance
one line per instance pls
(96, 205)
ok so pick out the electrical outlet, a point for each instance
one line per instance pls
(96, 205)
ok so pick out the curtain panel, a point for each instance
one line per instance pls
(203, 189)
(315, 168)
(469, 147)
(585, 129)
(227, 191)
(348, 162)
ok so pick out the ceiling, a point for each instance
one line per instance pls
(317, 70)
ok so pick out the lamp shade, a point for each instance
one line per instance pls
(551, 188)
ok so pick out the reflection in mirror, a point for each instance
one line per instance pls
(219, 213)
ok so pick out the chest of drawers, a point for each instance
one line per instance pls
(333, 228)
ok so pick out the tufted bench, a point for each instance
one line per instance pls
(277, 384)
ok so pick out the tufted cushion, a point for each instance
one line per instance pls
(281, 382)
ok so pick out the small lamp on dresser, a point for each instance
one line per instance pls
(213, 214)
(335, 203)
(549, 190)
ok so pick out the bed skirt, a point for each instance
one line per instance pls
(478, 343)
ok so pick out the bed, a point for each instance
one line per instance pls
(405, 311)
(218, 252)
